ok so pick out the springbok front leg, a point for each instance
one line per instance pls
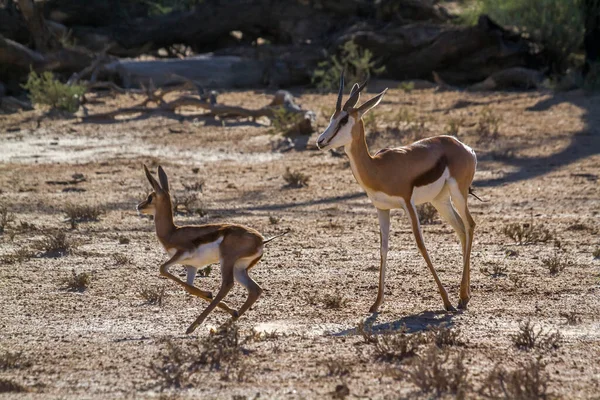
(384, 235)
(416, 228)
(227, 266)
(164, 271)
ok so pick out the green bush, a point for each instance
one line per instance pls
(556, 24)
(357, 62)
(46, 90)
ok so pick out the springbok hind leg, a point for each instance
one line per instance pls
(240, 273)
(226, 285)
(459, 198)
(191, 289)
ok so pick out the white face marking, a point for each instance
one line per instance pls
(338, 133)
(424, 194)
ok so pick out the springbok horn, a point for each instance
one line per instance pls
(338, 106)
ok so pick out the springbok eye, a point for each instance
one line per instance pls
(149, 199)
(344, 120)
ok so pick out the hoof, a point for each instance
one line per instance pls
(462, 304)
(234, 315)
(450, 308)
(374, 308)
(191, 329)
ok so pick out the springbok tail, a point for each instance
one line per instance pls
(472, 193)
(276, 236)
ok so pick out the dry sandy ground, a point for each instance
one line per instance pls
(541, 169)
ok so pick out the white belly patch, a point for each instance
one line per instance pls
(424, 194)
(202, 256)
(384, 201)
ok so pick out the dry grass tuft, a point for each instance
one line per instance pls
(53, 244)
(426, 213)
(173, 371)
(443, 336)
(188, 205)
(9, 360)
(120, 259)
(555, 263)
(394, 346)
(77, 282)
(6, 217)
(8, 386)
(337, 367)
(488, 125)
(295, 179)
(220, 351)
(528, 338)
(197, 186)
(20, 255)
(153, 295)
(334, 301)
(529, 381)
(573, 318)
(436, 372)
(527, 233)
(498, 270)
(82, 213)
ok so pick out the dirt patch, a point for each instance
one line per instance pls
(538, 163)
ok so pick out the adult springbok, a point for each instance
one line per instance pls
(438, 170)
(237, 248)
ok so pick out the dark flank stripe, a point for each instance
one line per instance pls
(432, 174)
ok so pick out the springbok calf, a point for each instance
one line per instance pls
(438, 170)
(237, 248)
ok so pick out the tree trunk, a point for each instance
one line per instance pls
(43, 39)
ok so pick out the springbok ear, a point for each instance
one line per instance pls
(151, 179)
(370, 103)
(355, 95)
(164, 181)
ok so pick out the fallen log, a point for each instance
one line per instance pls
(283, 110)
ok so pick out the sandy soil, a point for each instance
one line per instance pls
(542, 168)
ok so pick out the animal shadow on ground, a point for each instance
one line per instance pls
(410, 323)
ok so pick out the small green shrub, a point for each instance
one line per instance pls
(357, 62)
(45, 89)
(284, 122)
